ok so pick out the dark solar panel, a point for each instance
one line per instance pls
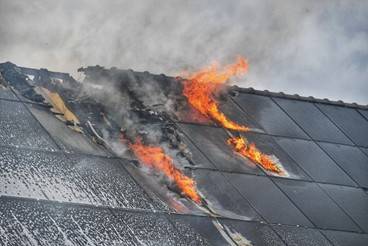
(222, 197)
(365, 150)
(340, 238)
(351, 159)
(316, 205)
(314, 161)
(313, 121)
(268, 200)
(350, 121)
(269, 115)
(297, 236)
(364, 113)
(212, 143)
(19, 128)
(354, 201)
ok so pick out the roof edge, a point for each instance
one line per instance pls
(251, 90)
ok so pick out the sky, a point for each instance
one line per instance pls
(309, 47)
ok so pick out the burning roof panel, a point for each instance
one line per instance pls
(75, 182)
(270, 144)
(211, 139)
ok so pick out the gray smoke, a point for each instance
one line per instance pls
(317, 48)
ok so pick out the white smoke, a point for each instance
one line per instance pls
(317, 48)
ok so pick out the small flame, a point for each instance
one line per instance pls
(199, 87)
(154, 157)
(250, 151)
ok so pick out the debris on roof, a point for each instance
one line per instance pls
(59, 108)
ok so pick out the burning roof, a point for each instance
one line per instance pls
(127, 157)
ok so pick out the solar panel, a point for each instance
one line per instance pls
(351, 159)
(18, 128)
(211, 142)
(315, 161)
(349, 121)
(261, 192)
(354, 201)
(269, 115)
(316, 205)
(313, 121)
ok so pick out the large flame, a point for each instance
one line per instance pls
(199, 88)
(154, 157)
(250, 151)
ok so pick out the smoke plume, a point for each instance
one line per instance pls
(317, 48)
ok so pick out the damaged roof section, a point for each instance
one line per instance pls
(68, 176)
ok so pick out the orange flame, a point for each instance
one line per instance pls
(154, 157)
(250, 151)
(199, 86)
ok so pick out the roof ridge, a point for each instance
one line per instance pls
(312, 99)
(249, 90)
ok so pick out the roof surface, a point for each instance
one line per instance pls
(61, 187)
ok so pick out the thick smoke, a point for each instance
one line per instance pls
(317, 48)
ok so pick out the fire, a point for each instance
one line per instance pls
(199, 88)
(250, 151)
(154, 157)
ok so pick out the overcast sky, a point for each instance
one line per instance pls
(317, 48)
